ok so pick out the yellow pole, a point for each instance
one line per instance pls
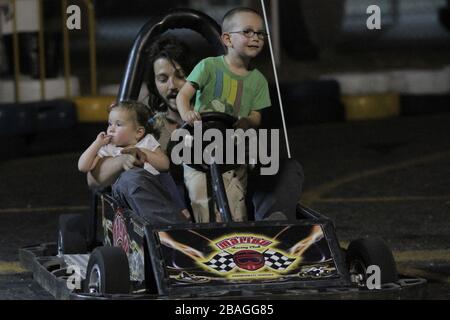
(66, 50)
(92, 47)
(41, 49)
(16, 54)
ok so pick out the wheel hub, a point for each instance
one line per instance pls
(358, 272)
(60, 244)
(95, 280)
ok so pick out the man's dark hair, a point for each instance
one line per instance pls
(174, 51)
(228, 17)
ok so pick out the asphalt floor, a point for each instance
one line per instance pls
(388, 178)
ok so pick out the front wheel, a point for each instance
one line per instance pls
(363, 253)
(107, 272)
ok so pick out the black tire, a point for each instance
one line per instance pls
(72, 234)
(363, 253)
(306, 102)
(107, 272)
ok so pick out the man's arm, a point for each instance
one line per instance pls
(157, 158)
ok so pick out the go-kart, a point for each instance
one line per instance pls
(114, 253)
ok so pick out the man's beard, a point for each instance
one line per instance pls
(172, 95)
(171, 107)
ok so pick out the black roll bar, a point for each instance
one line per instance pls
(176, 19)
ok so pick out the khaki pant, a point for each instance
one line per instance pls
(235, 183)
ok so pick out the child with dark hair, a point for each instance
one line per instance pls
(128, 133)
(127, 128)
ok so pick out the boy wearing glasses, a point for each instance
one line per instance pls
(226, 84)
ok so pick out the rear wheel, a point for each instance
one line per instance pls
(107, 272)
(72, 234)
(363, 253)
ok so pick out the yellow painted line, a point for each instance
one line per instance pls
(44, 209)
(422, 255)
(415, 255)
(314, 195)
(429, 275)
(10, 267)
(411, 256)
(382, 199)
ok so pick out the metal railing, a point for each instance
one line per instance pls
(66, 49)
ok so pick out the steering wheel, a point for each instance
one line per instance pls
(212, 120)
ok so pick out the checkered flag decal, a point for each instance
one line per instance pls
(276, 260)
(222, 262)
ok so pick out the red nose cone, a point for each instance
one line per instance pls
(249, 260)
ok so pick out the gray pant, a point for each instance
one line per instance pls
(143, 193)
(280, 192)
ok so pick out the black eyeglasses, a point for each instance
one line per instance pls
(250, 33)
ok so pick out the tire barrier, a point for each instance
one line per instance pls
(16, 120)
(371, 107)
(29, 54)
(36, 117)
(413, 105)
(379, 95)
(30, 89)
(305, 102)
(361, 83)
(55, 115)
(93, 108)
(419, 81)
(399, 81)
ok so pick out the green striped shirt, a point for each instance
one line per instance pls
(220, 90)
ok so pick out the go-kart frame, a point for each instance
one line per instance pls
(214, 260)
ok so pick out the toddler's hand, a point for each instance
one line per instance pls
(103, 139)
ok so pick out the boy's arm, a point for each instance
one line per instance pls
(89, 157)
(184, 103)
(260, 101)
(252, 121)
